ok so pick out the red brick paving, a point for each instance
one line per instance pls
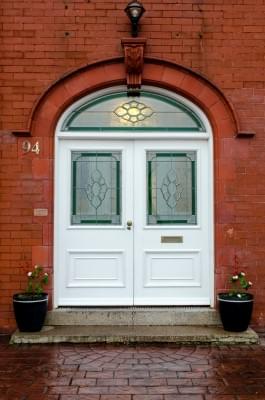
(106, 372)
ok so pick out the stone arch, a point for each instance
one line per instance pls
(168, 75)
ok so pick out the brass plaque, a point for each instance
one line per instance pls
(171, 239)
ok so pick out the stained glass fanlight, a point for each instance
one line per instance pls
(149, 111)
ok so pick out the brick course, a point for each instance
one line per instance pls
(42, 41)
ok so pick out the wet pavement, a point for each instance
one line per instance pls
(138, 372)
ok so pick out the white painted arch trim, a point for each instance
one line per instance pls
(150, 135)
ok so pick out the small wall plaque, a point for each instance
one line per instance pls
(171, 239)
(40, 212)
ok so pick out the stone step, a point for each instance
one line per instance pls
(136, 334)
(131, 316)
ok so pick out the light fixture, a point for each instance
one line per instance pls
(134, 10)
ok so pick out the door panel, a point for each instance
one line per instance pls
(171, 227)
(95, 249)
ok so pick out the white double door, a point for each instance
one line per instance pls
(133, 223)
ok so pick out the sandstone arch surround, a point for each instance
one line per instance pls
(176, 78)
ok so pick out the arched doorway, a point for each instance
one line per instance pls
(133, 201)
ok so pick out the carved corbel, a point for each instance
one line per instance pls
(134, 62)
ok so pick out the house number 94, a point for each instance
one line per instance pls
(27, 147)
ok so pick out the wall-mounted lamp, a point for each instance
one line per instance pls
(134, 10)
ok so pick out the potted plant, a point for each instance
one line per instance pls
(30, 307)
(235, 306)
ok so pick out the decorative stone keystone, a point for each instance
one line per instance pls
(134, 62)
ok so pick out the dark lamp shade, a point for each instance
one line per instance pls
(134, 10)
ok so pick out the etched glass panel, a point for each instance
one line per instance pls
(171, 189)
(146, 111)
(96, 187)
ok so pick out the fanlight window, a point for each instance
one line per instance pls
(147, 111)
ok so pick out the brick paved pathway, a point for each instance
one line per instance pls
(105, 372)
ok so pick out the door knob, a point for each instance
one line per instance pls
(129, 225)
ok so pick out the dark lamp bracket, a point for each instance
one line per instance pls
(134, 11)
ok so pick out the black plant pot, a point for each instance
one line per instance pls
(235, 312)
(30, 311)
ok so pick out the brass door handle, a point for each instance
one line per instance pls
(129, 225)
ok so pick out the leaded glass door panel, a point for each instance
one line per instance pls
(96, 187)
(171, 187)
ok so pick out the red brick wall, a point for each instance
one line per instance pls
(42, 40)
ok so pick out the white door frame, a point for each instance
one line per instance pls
(150, 135)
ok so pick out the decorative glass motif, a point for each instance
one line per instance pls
(96, 187)
(171, 191)
(133, 111)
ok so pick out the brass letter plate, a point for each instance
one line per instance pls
(171, 239)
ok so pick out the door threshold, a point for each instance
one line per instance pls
(139, 334)
(136, 307)
(135, 315)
